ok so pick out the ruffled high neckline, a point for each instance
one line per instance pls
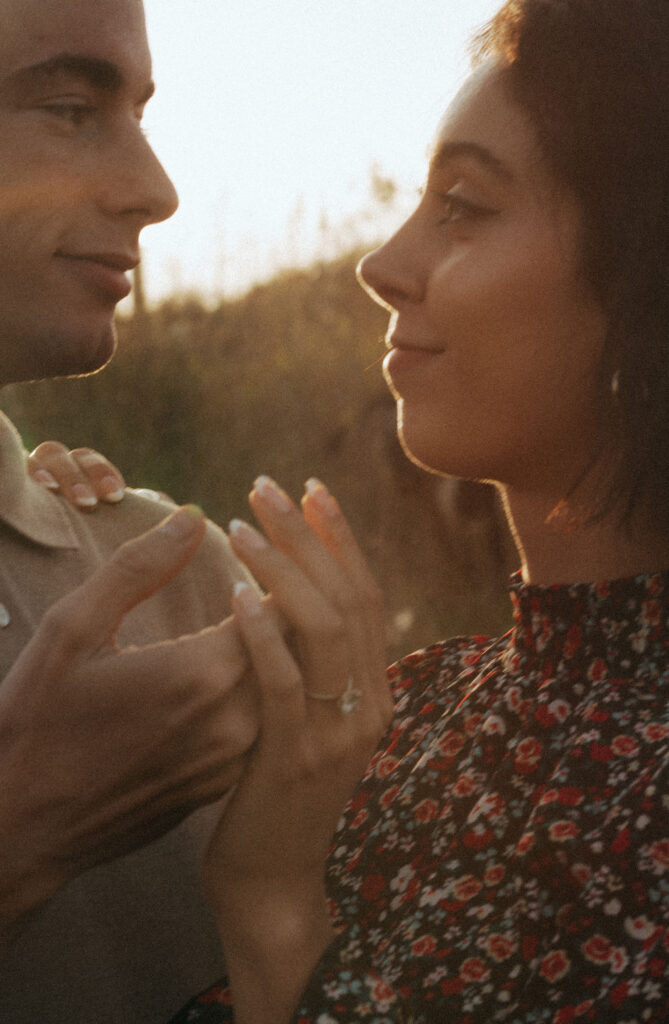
(622, 625)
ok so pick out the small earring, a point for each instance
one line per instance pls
(564, 519)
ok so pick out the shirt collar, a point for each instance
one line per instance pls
(24, 505)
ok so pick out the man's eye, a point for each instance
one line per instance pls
(75, 113)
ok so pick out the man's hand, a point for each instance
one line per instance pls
(104, 749)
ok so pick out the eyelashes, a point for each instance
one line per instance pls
(456, 208)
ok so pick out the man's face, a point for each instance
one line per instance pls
(78, 179)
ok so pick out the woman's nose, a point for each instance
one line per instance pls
(391, 274)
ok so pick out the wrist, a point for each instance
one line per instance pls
(272, 944)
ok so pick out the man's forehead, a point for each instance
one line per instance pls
(34, 31)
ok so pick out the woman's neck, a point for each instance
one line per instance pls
(558, 545)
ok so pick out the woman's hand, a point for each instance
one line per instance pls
(325, 704)
(82, 475)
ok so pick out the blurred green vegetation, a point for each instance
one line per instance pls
(287, 381)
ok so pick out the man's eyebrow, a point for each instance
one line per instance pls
(448, 151)
(96, 72)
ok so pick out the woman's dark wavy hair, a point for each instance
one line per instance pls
(593, 76)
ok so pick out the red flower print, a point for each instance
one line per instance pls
(451, 986)
(474, 969)
(424, 946)
(477, 839)
(381, 991)
(619, 960)
(359, 799)
(600, 753)
(622, 841)
(597, 670)
(372, 887)
(494, 874)
(544, 717)
(581, 872)
(360, 817)
(426, 810)
(619, 994)
(569, 796)
(525, 843)
(568, 1013)
(466, 888)
(625, 746)
(463, 786)
(451, 743)
(494, 725)
(472, 723)
(597, 949)
(651, 611)
(659, 854)
(385, 766)
(555, 965)
(527, 755)
(655, 731)
(500, 947)
(655, 585)
(641, 928)
(389, 795)
(561, 831)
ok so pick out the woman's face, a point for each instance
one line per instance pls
(495, 338)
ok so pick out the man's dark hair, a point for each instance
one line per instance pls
(593, 76)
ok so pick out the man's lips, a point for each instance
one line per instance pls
(103, 272)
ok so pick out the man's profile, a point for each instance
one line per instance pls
(120, 713)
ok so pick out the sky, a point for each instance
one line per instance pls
(269, 116)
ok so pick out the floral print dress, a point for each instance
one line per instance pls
(506, 857)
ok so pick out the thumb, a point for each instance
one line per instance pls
(93, 612)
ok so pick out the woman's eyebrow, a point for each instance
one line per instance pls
(449, 151)
(100, 74)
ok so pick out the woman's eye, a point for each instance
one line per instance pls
(455, 208)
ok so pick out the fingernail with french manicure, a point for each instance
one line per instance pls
(43, 477)
(246, 597)
(272, 494)
(321, 497)
(245, 536)
(113, 492)
(182, 523)
(83, 496)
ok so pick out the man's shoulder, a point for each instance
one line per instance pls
(207, 581)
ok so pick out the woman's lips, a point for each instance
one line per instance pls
(402, 358)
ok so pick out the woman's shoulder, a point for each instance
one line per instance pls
(444, 664)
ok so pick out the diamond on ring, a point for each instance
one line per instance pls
(347, 701)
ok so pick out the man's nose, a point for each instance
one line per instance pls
(135, 181)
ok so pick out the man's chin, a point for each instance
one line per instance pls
(79, 357)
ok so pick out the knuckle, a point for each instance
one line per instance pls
(65, 623)
(331, 629)
(131, 566)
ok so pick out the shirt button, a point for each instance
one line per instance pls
(5, 617)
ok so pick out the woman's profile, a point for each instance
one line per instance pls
(505, 854)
